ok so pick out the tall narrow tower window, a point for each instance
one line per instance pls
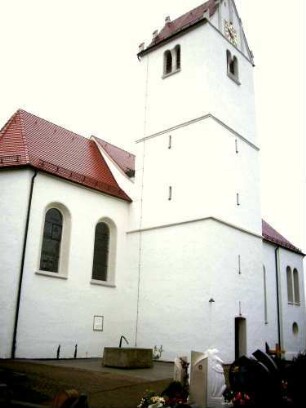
(232, 67)
(296, 287)
(167, 62)
(289, 285)
(172, 61)
(177, 50)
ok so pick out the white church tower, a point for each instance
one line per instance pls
(197, 221)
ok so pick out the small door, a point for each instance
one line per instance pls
(240, 337)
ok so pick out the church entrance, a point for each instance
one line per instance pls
(240, 337)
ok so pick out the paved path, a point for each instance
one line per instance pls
(104, 387)
(160, 371)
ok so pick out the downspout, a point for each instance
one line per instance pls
(22, 265)
(278, 297)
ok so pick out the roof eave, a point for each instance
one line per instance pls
(171, 37)
(276, 243)
(121, 194)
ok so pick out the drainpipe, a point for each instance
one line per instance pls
(278, 297)
(22, 265)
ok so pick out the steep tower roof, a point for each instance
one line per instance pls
(29, 140)
(182, 23)
(228, 13)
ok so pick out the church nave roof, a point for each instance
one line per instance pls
(27, 140)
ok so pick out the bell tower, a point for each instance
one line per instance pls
(200, 129)
(196, 221)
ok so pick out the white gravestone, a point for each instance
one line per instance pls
(198, 379)
(207, 382)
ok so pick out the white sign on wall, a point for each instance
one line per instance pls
(98, 323)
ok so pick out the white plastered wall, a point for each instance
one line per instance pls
(292, 343)
(14, 187)
(59, 311)
(181, 268)
(206, 167)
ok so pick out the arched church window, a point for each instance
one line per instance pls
(101, 252)
(228, 58)
(232, 67)
(51, 245)
(167, 62)
(296, 286)
(177, 51)
(172, 60)
(289, 285)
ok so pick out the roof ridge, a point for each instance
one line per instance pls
(7, 123)
(104, 161)
(208, 2)
(23, 134)
(181, 23)
(111, 144)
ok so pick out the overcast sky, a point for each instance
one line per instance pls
(74, 63)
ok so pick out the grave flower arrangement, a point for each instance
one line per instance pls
(238, 398)
(151, 400)
(174, 396)
(242, 399)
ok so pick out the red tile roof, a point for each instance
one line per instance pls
(29, 140)
(181, 23)
(271, 235)
(124, 159)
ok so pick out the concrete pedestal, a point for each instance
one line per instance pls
(127, 357)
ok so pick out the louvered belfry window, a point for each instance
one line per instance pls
(51, 245)
(101, 250)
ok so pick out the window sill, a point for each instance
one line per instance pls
(51, 274)
(102, 283)
(233, 78)
(171, 73)
(294, 303)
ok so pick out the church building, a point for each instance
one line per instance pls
(168, 247)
